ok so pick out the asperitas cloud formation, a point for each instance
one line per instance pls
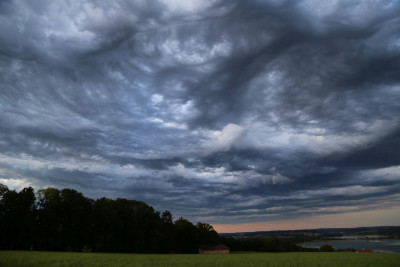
(219, 111)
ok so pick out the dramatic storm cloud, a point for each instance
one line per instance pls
(219, 111)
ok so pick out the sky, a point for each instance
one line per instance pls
(248, 115)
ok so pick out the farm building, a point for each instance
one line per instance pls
(214, 249)
(364, 251)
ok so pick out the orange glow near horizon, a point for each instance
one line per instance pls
(343, 220)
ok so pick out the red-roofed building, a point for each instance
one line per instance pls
(214, 249)
(364, 251)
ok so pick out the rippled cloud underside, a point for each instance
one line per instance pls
(220, 111)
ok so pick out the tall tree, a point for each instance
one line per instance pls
(185, 236)
(206, 234)
(50, 222)
(76, 214)
(17, 211)
(3, 190)
(106, 225)
(167, 231)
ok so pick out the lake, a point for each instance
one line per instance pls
(377, 245)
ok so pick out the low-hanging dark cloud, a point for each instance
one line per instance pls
(224, 111)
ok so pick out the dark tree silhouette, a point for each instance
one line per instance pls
(185, 236)
(206, 234)
(17, 215)
(65, 220)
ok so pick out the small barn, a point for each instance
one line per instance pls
(214, 249)
(364, 251)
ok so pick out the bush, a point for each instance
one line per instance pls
(326, 248)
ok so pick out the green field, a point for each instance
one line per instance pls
(29, 258)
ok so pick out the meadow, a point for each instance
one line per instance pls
(32, 258)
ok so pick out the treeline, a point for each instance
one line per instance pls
(65, 220)
(266, 244)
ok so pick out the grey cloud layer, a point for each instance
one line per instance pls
(251, 107)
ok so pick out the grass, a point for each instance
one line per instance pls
(32, 258)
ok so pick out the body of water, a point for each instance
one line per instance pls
(377, 245)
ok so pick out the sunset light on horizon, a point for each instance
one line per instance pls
(341, 220)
